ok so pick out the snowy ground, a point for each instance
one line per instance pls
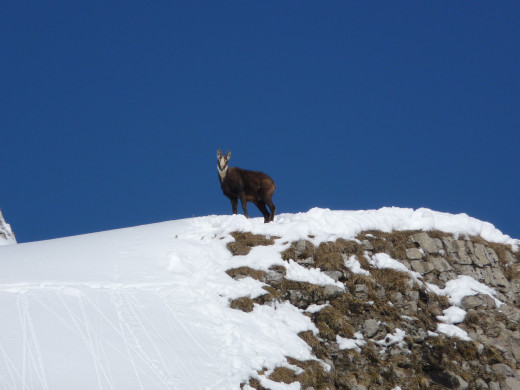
(148, 307)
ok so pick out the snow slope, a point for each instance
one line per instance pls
(148, 307)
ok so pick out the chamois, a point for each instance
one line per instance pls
(248, 186)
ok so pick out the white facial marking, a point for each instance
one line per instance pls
(221, 162)
(222, 167)
(222, 173)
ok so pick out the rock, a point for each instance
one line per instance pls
(370, 328)
(515, 270)
(367, 245)
(446, 276)
(427, 243)
(471, 302)
(510, 259)
(410, 308)
(418, 335)
(300, 247)
(397, 298)
(494, 386)
(440, 264)
(412, 296)
(480, 259)
(272, 276)
(499, 278)
(423, 267)
(446, 379)
(481, 385)
(492, 256)
(381, 292)
(511, 312)
(335, 275)
(449, 244)
(463, 385)
(330, 291)
(361, 291)
(510, 384)
(487, 276)
(487, 301)
(463, 251)
(503, 369)
(307, 261)
(414, 254)
(294, 295)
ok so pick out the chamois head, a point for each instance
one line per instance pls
(222, 161)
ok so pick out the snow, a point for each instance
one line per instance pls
(453, 315)
(395, 338)
(464, 286)
(453, 331)
(383, 260)
(355, 267)
(315, 308)
(148, 307)
(355, 343)
(313, 275)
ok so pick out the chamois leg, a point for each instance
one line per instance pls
(243, 200)
(261, 206)
(234, 205)
(272, 207)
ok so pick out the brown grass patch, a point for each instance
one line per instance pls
(255, 384)
(294, 254)
(349, 247)
(242, 272)
(244, 303)
(501, 251)
(283, 374)
(275, 293)
(330, 262)
(329, 255)
(312, 292)
(244, 241)
(441, 354)
(391, 279)
(394, 243)
(317, 348)
(358, 310)
(334, 320)
(472, 318)
(324, 251)
(313, 374)
(438, 234)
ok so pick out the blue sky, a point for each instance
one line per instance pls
(111, 113)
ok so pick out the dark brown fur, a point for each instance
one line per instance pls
(248, 186)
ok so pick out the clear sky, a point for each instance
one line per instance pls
(111, 113)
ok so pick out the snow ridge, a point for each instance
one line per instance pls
(148, 307)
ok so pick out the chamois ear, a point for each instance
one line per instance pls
(228, 155)
(219, 153)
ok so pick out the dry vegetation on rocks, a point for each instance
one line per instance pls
(385, 301)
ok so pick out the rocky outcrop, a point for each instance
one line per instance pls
(6, 234)
(385, 329)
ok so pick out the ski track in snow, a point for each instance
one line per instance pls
(148, 307)
(149, 354)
